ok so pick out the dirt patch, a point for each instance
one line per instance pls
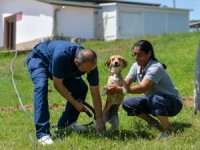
(53, 106)
(188, 101)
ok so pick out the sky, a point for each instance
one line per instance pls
(188, 4)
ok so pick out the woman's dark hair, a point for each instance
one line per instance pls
(146, 46)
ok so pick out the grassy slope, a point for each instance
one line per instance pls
(177, 51)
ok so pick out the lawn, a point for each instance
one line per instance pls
(177, 51)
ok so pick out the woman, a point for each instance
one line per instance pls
(161, 98)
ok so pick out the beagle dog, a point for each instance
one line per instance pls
(116, 64)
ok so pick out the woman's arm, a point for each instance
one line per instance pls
(134, 89)
(141, 88)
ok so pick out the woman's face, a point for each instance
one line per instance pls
(141, 57)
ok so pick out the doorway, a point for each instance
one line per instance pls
(10, 32)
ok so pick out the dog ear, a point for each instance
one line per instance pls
(107, 62)
(125, 63)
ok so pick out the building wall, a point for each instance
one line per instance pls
(178, 22)
(130, 24)
(1, 27)
(155, 22)
(117, 21)
(75, 22)
(130, 21)
(98, 24)
(36, 21)
(166, 21)
(133, 20)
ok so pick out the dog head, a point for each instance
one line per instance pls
(116, 63)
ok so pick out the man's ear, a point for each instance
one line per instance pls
(76, 61)
(107, 62)
(125, 63)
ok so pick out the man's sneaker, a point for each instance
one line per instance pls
(75, 127)
(164, 135)
(62, 131)
(46, 140)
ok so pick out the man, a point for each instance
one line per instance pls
(64, 63)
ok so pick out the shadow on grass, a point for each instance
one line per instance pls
(121, 135)
(175, 127)
(178, 127)
(139, 131)
(124, 135)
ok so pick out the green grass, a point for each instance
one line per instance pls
(177, 51)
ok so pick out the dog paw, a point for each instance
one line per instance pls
(104, 91)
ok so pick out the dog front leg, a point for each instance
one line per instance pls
(105, 110)
(113, 117)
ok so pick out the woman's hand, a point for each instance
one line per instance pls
(114, 88)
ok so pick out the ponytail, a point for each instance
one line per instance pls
(155, 59)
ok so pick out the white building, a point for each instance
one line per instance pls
(122, 20)
(25, 22)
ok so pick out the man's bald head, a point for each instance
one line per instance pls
(86, 55)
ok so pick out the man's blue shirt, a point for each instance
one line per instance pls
(58, 56)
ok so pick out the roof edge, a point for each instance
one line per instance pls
(71, 3)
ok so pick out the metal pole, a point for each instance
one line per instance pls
(174, 3)
(197, 83)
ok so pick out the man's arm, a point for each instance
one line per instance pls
(58, 84)
(100, 126)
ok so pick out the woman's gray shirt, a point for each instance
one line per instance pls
(154, 72)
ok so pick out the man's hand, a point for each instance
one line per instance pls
(58, 84)
(100, 127)
(80, 107)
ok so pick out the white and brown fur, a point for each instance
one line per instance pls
(116, 64)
